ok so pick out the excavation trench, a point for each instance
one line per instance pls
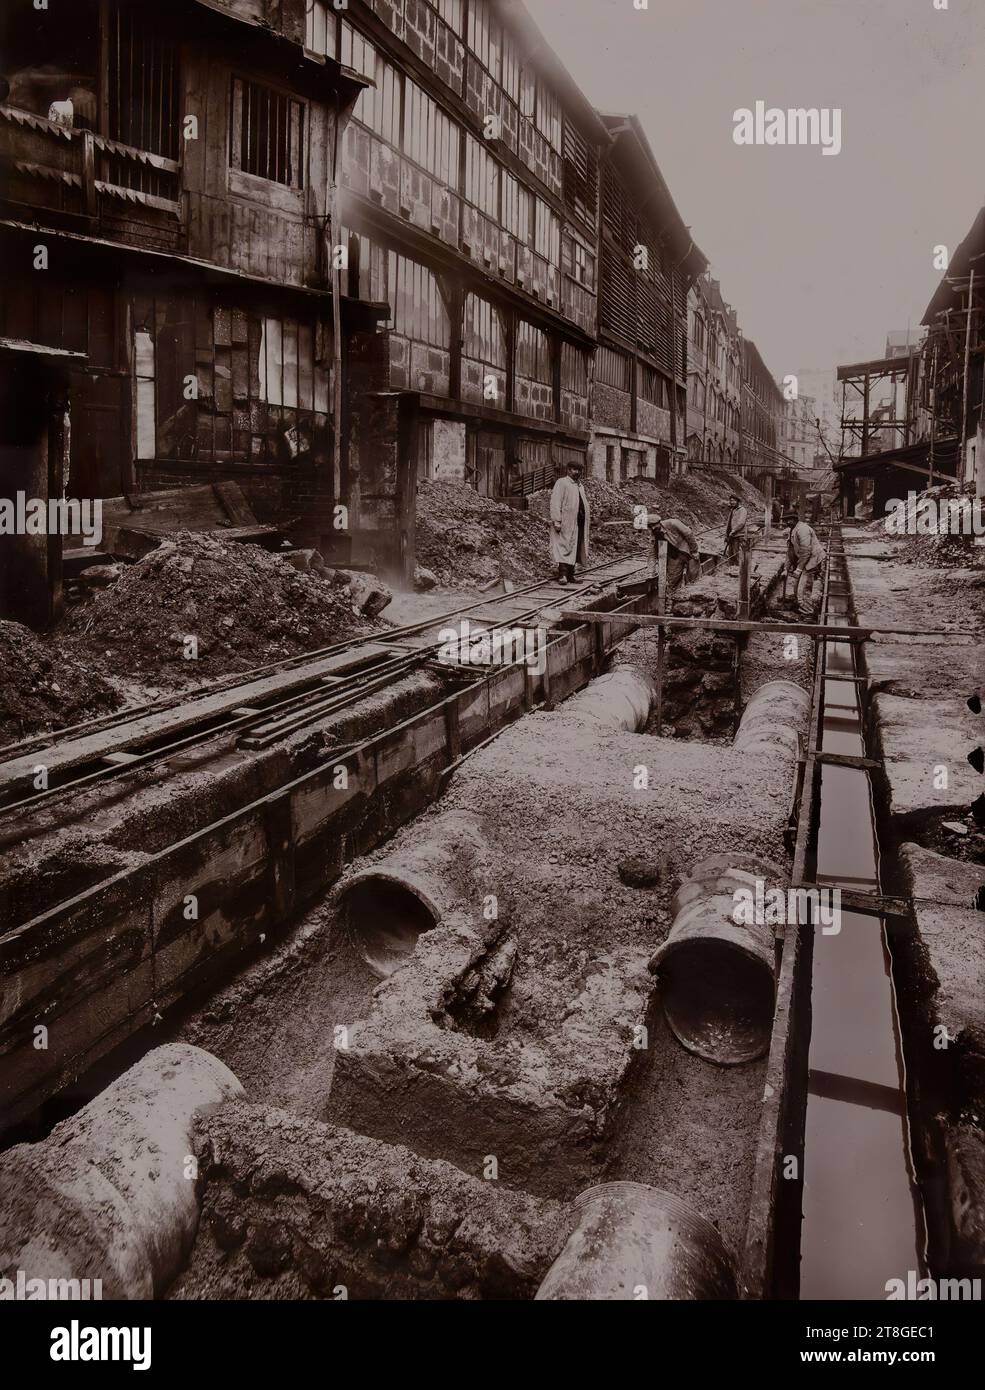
(492, 971)
(495, 983)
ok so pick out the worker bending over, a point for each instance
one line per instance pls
(805, 558)
(683, 552)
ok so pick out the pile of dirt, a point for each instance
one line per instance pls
(700, 498)
(44, 689)
(243, 606)
(466, 539)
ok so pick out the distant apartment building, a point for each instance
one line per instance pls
(762, 410)
(821, 385)
(799, 438)
(714, 406)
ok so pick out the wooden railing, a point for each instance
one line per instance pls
(82, 160)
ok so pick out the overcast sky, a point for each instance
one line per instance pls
(821, 255)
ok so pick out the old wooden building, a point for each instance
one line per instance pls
(167, 177)
(470, 173)
(762, 407)
(648, 262)
(323, 252)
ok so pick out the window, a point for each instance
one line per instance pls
(511, 68)
(267, 133)
(582, 265)
(547, 234)
(652, 386)
(377, 107)
(486, 37)
(366, 275)
(483, 338)
(263, 383)
(612, 369)
(146, 416)
(431, 137)
(516, 208)
(528, 93)
(547, 116)
(581, 174)
(481, 177)
(416, 304)
(289, 375)
(533, 353)
(451, 12)
(320, 28)
(143, 84)
(574, 369)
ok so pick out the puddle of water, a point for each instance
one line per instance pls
(861, 1221)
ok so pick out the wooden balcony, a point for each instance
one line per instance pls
(117, 191)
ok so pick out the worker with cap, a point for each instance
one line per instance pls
(735, 527)
(805, 559)
(570, 523)
(683, 552)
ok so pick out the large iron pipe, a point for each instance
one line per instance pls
(637, 1242)
(432, 868)
(111, 1193)
(775, 717)
(621, 699)
(439, 865)
(717, 975)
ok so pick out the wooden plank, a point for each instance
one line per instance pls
(842, 632)
(147, 728)
(239, 510)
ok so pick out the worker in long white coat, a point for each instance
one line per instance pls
(570, 523)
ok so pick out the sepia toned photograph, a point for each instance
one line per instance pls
(492, 661)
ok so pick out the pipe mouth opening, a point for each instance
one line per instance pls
(385, 918)
(718, 1001)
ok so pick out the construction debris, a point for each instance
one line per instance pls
(196, 608)
(43, 688)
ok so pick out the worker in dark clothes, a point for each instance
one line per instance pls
(683, 552)
(735, 528)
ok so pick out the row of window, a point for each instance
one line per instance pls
(419, 312)
(487, 39)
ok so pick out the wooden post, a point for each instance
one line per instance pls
(661, 639)
(767, 521)
(743, 579)
(962, 429)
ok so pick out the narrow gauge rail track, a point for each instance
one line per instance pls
(100, 750)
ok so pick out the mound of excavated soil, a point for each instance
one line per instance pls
(467, 539)
(244, 607)
(44, 689)
(700, 498)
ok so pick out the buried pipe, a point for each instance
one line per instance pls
(437, 866)
(440, 864)
(774, 718)
(637, 1242)
(621, 699)
(110, 1195)
(717, 974)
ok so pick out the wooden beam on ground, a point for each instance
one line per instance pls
(832, 631)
